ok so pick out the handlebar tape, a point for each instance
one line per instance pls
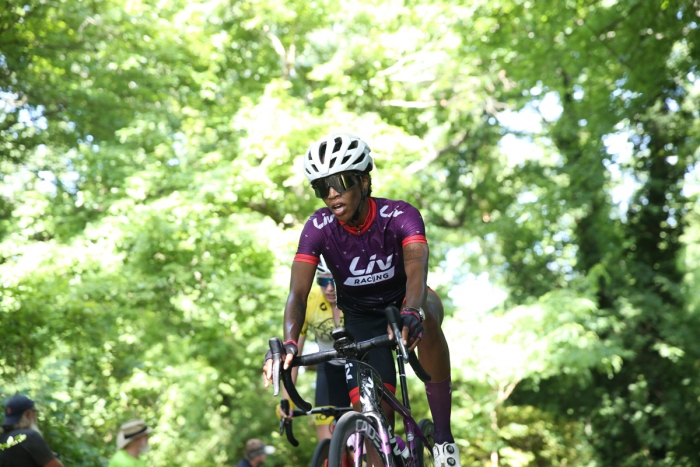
(393, 317)
(418, 368)
(292, 391)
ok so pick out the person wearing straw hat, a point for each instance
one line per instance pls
(255, 453)
(132, 441)
(20, 429)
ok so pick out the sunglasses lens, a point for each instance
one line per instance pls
(320, 190)
(348, 181)
(324, 281)
(340, 183)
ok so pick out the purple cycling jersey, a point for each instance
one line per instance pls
(366, 261)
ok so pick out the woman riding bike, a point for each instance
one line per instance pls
(378, 253)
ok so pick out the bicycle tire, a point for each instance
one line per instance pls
(320, 457)
(352, 423)
(425, 456)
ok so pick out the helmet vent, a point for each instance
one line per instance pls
(322, 152)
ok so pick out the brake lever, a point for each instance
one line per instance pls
(277, 349)
(392, 316)
(284, 408)
(286, 424)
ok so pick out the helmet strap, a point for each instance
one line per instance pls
(363, 196)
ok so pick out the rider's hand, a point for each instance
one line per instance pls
(411, 329)
(291, 350)
(267, 368)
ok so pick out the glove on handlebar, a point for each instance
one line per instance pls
(290, 347)
(411, 320)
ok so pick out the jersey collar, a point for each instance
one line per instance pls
(364, 227)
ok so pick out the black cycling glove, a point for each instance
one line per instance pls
(290, 347)
(411, 320)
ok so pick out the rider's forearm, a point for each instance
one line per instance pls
(294, 315)
(416, 265)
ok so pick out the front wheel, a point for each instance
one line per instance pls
(320, 457)
(353, 443)
(424, 454)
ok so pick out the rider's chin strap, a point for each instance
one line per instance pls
(355, 216)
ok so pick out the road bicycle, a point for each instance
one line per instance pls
(320, 457)
(366, 438)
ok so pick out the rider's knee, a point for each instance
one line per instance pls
(434, 308)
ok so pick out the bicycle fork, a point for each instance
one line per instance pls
(371, 408)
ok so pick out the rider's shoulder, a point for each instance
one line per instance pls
(395, 206)
(391, 202)
(320, 218)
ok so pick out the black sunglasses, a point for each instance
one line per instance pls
(324, 281)
(340, 183)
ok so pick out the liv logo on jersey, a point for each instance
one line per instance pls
(376, 271)
(394, 213)
(326, 220)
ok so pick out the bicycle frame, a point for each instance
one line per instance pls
(370, 395)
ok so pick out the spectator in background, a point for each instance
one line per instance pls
(132, 441)
(32, 451)
(255, 453)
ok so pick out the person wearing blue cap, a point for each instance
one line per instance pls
(255, 453)
(21, 423)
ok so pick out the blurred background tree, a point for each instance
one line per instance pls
(151, 200)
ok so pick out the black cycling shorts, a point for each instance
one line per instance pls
(382, 359)
(330, 389)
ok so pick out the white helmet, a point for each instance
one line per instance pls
(322, 268)
(336, 153)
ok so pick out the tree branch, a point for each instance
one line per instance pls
(423, 163)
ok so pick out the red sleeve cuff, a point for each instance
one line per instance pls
(414, 239)
(306, 259)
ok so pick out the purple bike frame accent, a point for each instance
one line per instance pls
(410, 426)
(371, 394)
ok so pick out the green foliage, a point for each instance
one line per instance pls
(151, 200)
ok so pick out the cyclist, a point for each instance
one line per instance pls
(378, 253)
(323, 316)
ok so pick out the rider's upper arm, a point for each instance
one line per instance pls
(416, 255)
(54, 463)
(295, 309)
